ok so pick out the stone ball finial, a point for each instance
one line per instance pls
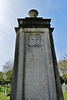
(33, 13)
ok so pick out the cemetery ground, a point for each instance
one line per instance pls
(65, 95)
(4, 96)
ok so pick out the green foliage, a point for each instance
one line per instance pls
(1, 77)
(4, 96)
(9, 76)
(8, 90)
(3, 89)
(6, 77)
(64, 77)
(62, 64)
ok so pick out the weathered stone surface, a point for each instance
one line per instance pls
(36, 84)
(35, 74)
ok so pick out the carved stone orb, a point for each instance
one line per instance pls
(33, 13)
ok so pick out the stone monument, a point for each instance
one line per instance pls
(35, 73)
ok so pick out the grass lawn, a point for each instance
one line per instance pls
(3, 89)
(4, 96)
(65, 95)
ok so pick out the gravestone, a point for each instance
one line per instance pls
(35, 73)
(64, 88)
(5, 90)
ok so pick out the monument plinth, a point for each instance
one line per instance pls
(35, 73)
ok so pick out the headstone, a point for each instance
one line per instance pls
(64, 88)
(35, 73)
(0, 89)
(5, 90)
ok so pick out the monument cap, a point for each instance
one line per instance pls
(33, 13)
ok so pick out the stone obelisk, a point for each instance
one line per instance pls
(35, 73)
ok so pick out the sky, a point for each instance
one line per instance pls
(10, 10)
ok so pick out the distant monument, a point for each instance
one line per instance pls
(35, 73)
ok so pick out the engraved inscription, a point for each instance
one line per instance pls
(35, 40)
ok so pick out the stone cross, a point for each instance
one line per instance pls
(35, 40)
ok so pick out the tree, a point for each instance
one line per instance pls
(62, 65)
(9, 76)
(1, 77)
(7, 71)
(8, 66)
(64, 77)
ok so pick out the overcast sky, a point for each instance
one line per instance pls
(10, 10)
